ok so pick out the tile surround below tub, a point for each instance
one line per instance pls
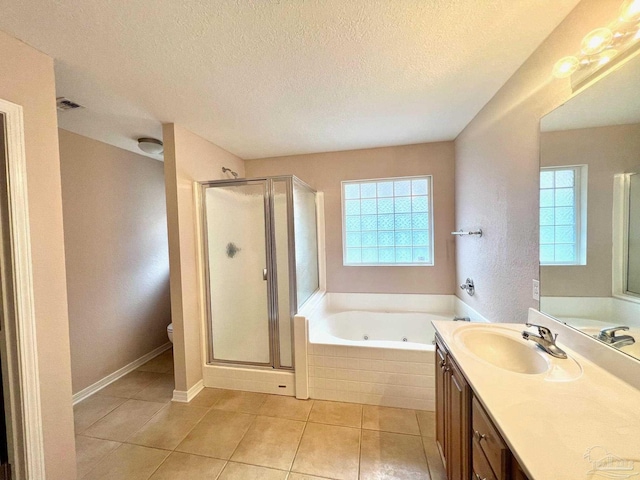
(374, 376)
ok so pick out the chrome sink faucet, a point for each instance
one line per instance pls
(546, 341)
(608, 335)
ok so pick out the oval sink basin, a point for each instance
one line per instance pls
(504, 351)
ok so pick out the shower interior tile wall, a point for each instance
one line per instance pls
(374, 376)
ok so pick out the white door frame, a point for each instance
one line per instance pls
(28, 426)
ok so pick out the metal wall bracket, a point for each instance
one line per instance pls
(461, 233)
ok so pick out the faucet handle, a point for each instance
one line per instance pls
(611, 332)
(543, 331)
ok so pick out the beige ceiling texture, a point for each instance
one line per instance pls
(275, 77)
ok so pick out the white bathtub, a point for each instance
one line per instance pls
(382, 369)
(394, 330)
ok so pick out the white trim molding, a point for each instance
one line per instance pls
(183, 396)
(112, 377)
(26, 363)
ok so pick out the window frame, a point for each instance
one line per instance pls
(430, 225)
(580, 214)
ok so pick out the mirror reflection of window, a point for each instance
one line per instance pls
(562, 226)
(633, 238)
(599, 128)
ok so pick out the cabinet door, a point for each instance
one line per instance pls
(517, 473)
(458, 436)
(441, 406)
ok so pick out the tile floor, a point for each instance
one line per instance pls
(131, 430)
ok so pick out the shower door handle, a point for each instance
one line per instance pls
(264, 274)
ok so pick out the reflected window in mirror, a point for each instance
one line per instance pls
(600, 128)
(633, 236)
(626, 217)
(563, 223)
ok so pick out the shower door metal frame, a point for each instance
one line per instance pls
(272, 276)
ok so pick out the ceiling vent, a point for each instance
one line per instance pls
(64, 104)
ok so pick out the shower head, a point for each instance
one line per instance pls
(225, 170)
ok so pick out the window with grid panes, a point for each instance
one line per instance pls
(562, 215)
(387, 221)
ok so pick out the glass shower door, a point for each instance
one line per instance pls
(238, 284)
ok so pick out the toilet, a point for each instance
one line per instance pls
(170, 332)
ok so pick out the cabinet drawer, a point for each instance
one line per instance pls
(489, 441)
(481, 468)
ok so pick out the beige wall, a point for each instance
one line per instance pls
(497, 161)
(115, 232)
(27, 79)
(325, 171)
(188, 158)
(607, 151)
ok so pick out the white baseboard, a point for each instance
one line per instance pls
(100, 384)
(186, 397)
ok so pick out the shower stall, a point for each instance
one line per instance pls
(260, 248)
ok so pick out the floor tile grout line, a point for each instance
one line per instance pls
(144, 424)
(226, 462)
(243, 435)
(112, 411)
(101, 458)
(238, 462)
(92, 424)
(304, 429)
(181, 440)
(158, 467)
(360, 453)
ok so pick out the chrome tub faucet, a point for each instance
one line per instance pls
(546, 340)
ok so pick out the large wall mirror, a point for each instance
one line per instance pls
(590, 210)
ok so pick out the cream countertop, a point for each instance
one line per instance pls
(550, 421)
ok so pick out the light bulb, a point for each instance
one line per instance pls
(606, 56)
(565, 67)
(630, 11)
(596, 41)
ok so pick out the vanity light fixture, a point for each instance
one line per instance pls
(596, 41)
(630, 11)
(566, 66)
(602, 45)
(152, 146)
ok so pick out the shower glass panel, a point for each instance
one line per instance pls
(261, 255)
(306, 235)
(237, 257)
(282, 243)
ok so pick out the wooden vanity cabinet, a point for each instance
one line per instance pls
(440, 374)
(453, 404)
(469, 442)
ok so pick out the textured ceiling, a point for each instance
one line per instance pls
(274, 77)
(614, 100)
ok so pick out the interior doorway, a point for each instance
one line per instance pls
(6, 310)
(21, 439)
